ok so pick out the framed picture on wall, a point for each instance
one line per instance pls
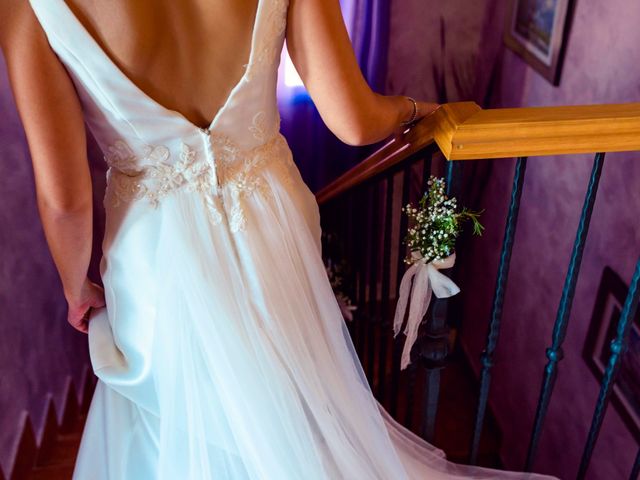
(537, 31)
(602, 329)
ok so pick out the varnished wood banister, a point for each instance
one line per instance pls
(533, 131)
(369, 241)
(391, 153)
(464, 131)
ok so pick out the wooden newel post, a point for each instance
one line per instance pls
(433, 350)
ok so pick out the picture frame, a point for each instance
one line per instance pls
(625, 397)
(537, 30)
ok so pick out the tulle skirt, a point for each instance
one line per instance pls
(224, 355)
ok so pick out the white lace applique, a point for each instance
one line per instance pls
(151, 176)
(234, 175)
(271, 48)
(257, 127)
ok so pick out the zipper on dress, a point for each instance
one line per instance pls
(210, 157)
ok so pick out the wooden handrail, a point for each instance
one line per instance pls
(464, 131)
(391, 153)
(524, 132)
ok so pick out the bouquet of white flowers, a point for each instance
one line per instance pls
(431, 241)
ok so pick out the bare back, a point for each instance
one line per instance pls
(168, 48)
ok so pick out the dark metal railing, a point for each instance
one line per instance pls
(363, 208)
(486, 359)
(618, 347)
(554, 352)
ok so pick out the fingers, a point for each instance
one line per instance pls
(83, 327)
(79, 320)
(80, 310)
(97, 302)
(81, 324)
(426, 108)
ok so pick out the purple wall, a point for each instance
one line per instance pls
(600, 67)
(434, 47)
(39, 350)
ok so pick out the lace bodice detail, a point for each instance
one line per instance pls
(153, 151)
(234, 174)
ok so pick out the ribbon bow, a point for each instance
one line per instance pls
(427, 280)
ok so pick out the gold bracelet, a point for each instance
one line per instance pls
(414, 114)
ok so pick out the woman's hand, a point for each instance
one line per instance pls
(320, 48)
(91, 296)
(426, 108)
(53, 121)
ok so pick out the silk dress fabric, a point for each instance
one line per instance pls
(221, 352)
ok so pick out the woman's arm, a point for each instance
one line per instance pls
(320, 49)
(52, 119)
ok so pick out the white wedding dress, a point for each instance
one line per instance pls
(222, 352)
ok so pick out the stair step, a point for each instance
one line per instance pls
(54, 472)
(61, 459)
(65, 449)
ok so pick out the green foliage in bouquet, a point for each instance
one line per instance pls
(437, 223)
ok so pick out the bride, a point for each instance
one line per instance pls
(219, 347)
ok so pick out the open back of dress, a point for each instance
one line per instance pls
(221, 352)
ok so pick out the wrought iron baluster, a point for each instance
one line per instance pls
(411, 388)
(397, 345)
(433, 345)
(434, 349)
(498, 303)
(452, 177)
(554, 352)
(412, 369)
(373, 307)
(619, 346)
(361, 251)
(386, 280)
(350, 252)
(635, 470)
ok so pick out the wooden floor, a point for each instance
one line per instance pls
(60, 461)
(453, 427)
(455, 415)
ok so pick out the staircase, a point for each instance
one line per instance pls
(365, 229)
(453, 430)
(440, 396)
(58, 465)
